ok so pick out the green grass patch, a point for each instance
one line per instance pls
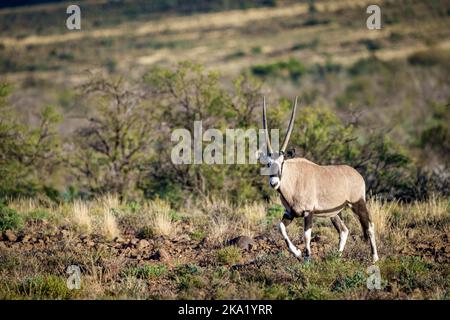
(9, 219)
(43, 287)
(198, 235)
(229, 255)
(147, 271)
(291, 68)
(38, 215)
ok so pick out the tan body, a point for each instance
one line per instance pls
(306, 186)
(308, 190)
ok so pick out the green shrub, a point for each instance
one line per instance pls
(348, 282)
(38, 215)
(198, 235)
(256, 50)
(146, 232)
(314, 292)
(147, 271)
(321, 70)
(188, 277)
(411, 272)
(431, 57)
(371, 44)
(371, 66)
(291, 68)
(46, 287)
(9, 219)
(274, 212)
(229, 255)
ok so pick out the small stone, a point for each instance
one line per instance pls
(26, 238)
(10, 236)
(64, 234)
(90, 243)
(118, 239)
(134, 241)
(243, 242)
(142, 244)
(161, 255)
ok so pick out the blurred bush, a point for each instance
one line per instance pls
(431, 57)
(27, 154)
(123, 144)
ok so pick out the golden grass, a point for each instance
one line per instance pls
(218, 229)
(254, 213)
(109, 201)
(80, 216)
(23, 205)
(433, 210)
(109, 227)
(217, 205)
(381, 212)
(159, 218)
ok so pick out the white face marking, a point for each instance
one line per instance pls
(291, 246)
(274, 182)
(275, 165)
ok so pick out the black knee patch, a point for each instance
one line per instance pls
(288, 216)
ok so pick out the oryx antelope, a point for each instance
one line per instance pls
(308, 190)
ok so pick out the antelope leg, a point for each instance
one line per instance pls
(282, 228)
(307, 235)
(342, 229)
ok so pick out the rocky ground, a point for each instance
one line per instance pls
(261, 263)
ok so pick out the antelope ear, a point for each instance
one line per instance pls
(291, 153)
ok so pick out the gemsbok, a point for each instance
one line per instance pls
(307, 190)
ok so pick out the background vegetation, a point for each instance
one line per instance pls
(85, 124)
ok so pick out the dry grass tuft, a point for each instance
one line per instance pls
(216, 205)
(109, 226)
(159, 218)
(433, 210)
(218, 229)
(24, 205)
(254, 213)
(381, 213)
(109, 201)
(80, 216)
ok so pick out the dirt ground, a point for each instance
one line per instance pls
(193, 268)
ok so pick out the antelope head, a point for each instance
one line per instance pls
(275, 160)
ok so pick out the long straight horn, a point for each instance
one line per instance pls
(290, 127)
(269, 146)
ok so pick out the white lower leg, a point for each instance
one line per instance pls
(308, 242)
(343, 235)
(373, 244)
(291, 246)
